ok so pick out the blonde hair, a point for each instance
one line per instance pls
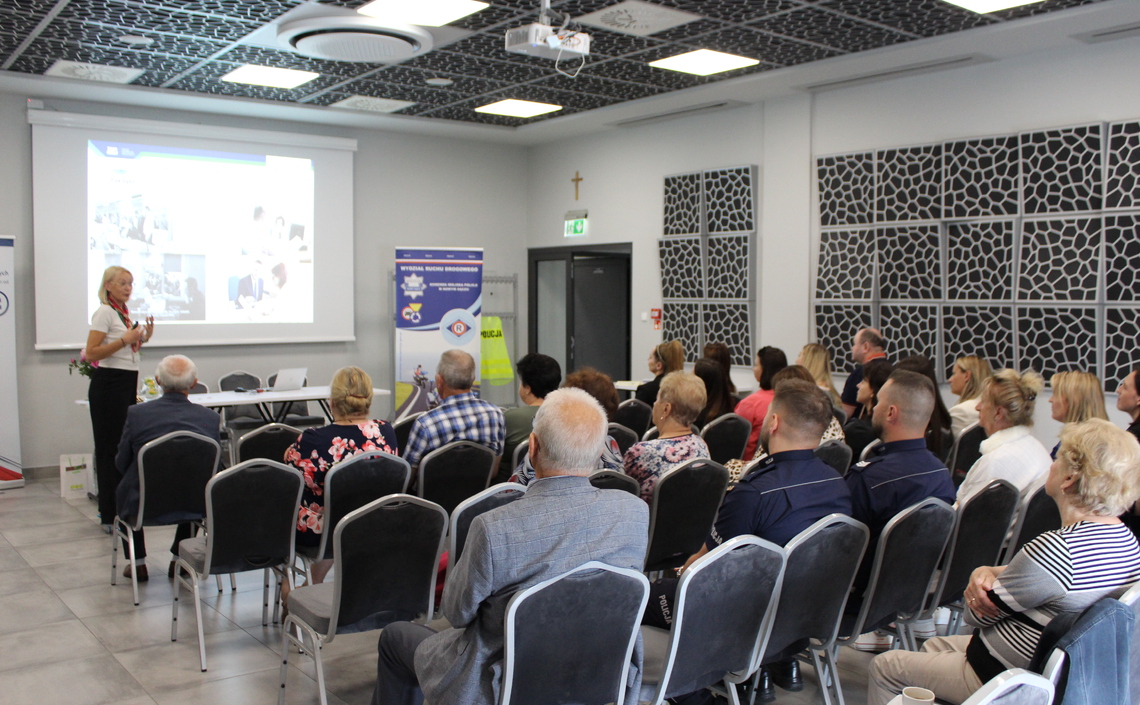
(686, 392)
(979, 370)
(671, 355)
(817, 360)
(1083, 394)
(351, 393)
(1015, 392)
(1104, 459)
(108, 274)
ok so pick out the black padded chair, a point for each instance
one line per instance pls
(863, 454)
(386, 555)
(294, 413)
(822, 562)
(906, 557)
(1038, 515)
(655, 433)
(625, 437)
(451, 474)
(173, 472)
(199, 388)
(570, 639)
(241, 417)
(613, 480)
(836, 454)
(726, 437)
(684, 506)
(403, 428)
(491, 498)
(251, 519)
(965, 451)
(635, 415)
(269, 442)
(719, 620)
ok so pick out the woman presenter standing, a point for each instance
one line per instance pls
(113, 341)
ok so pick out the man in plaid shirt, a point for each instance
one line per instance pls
(461, 417)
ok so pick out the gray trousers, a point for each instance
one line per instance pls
(396, 682)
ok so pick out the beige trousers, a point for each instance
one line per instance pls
(941, 667)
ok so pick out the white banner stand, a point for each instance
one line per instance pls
(11, 468)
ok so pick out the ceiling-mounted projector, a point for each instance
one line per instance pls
(354, 38)
(543, 40)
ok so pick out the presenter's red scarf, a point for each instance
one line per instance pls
(125, 317)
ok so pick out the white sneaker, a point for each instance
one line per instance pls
(873, 642)
(925, 629)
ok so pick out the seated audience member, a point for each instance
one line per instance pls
(867, 345)
(717, 393)
(969, 372)
(789, 491)
(723, 356)
(681, 398)
(1091, 557)
(316, 450)
(898, 473)
(1077, 396)
(1128, 400)
(939, 437)
(1005, 411)
(858, 431)
(817, 360)
(560, 523)
(171, 412)
(539, 375)
(461, 416)
(769, 361)
(663, 359)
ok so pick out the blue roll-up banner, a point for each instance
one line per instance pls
(11, 471)
(439, 306)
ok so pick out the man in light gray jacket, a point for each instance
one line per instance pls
(561, 523)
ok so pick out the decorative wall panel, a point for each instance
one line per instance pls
(1122, 189)
(909, 262)
(728, 323)
(979, 260)
(835, 325)
(730, 200)
(846, 264)
(1052, 340)
(726, 269)
(1061, 170)
(681, 268)
(909, 330)
(981, 177)
(1122, 345)
(985, 331)
(682, 321)
(1059, 260)
(683, 204)
(846, 189)
(910, 184)
(1122, 259)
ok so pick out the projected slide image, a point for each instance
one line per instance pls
(210, 236)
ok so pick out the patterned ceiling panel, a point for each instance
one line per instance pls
(185, 33)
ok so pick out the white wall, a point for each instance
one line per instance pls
(408, 190)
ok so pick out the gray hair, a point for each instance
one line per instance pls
(176, 373)
(571, 429)
(457, 369)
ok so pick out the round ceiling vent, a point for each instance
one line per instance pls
(358, 39)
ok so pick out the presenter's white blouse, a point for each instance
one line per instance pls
(1011, 454)
(962, 415)
(107, 321)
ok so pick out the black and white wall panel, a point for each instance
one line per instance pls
(707, 257)
(1022, 248)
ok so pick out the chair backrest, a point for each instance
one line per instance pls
(269, 441)
(684, 506)
(519, 453)
(357, 481)
(386, 559)
(1038, 515)
(836, 454)
(867, 449)
(626, 437)
(651, 434)
(282, 409)
(403, 428)
(173, 472)
(822, 562)
(451, 474)
(1016, 686)
(726, 437)
(251, 516)
(721, 613)
(635, 415)
(979, 534)
(199, 388)
(614, 480)
(569, 639)
(965, 452)
(491, 498)
(906, 557)
(240, 380)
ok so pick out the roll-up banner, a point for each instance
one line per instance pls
(439, 303)
(11, 470)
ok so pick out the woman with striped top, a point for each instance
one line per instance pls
(1092, 556)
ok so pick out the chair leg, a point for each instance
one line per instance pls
(114, 553)
(265, 598)
(134, 567)
(219, 579)
(284, 661)
(827, 669)
(320, 671)
(198, 618)
(233, 582)
(823, 673)
(174, 607)
(730, 691)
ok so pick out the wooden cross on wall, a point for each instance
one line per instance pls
(577, 180)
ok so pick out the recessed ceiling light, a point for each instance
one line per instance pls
(518, 108)
(375, 105)
(438, 81)
(92, 72)
(135, 39)
(269, 76)
(704, 62)
(429, 13)
(983, 6)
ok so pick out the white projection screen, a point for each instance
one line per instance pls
(234, 236)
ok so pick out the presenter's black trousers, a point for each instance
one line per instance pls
(111, 393)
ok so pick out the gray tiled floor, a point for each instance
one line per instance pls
(70, 638)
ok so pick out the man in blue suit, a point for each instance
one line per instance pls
(173, 411)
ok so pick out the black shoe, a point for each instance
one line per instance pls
(765, 693)
(786, 674)
(142, 574)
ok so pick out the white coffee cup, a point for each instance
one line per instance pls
(917, 696)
